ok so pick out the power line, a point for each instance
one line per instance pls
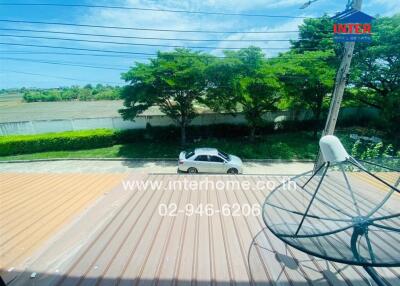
(94, 50)
(119, 56)
(13, 52)
(96, 67)
(107, 82)
(154, 10)
(79, 49)
(53, 76)
(63, 63)
(141, 29)
(121, 52)
(142, 38)
(134, 44)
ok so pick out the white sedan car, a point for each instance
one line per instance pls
(209, 160)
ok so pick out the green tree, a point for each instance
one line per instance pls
(315, 34)
(243, 80)
(307, 78)
(173, 81)
(376, 71)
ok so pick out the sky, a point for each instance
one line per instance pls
(44, 67)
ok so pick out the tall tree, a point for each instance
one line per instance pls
(243, 81)
(173, 81)
(307, 78)
(376, 73)
(315, 34)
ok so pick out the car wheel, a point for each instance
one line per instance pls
(192, 170)
(233, 171)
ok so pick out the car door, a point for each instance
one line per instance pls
(217, 164)
(201, 163)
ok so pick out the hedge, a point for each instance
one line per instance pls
(71, 140)
(89, 139)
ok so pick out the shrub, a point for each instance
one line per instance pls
(72, 93)
(367, 150)
(89, 139)
(72, 140)
(380, 153)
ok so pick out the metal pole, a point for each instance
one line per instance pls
(340, 84)
(375, 276)
(371, 271)
(312, 198)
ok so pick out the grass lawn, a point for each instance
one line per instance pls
(299, 145)
(293, 146)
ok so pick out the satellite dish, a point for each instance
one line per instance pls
(341, 212)
(332, 149)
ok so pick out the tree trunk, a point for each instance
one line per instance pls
(317, 115)
(252, 132)
(315, 131)
(316, 126)
(183, 134)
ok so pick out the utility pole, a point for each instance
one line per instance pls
(340, 85)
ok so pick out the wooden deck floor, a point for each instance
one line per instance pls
(123, 239)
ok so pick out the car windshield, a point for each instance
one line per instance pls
(224, 155)
(189, 154)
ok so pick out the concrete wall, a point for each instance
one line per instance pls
(46, 126)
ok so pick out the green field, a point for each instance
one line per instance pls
(16, 111)
(13, 109)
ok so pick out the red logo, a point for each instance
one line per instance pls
(348, 28)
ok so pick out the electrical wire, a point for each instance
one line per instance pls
(13, 52)
(121, 83)
(64, 63)
(66, 54)
(131, 53)
(95, 50)
(78, 49)
(132, 44)
(123, 54)
(144, 38)
(134, 53)
(102, 67)
(117, 69)
(57, 77)
(154, 10)
(107, 82)
(140, 29)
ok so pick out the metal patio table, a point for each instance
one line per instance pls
(340, 212)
